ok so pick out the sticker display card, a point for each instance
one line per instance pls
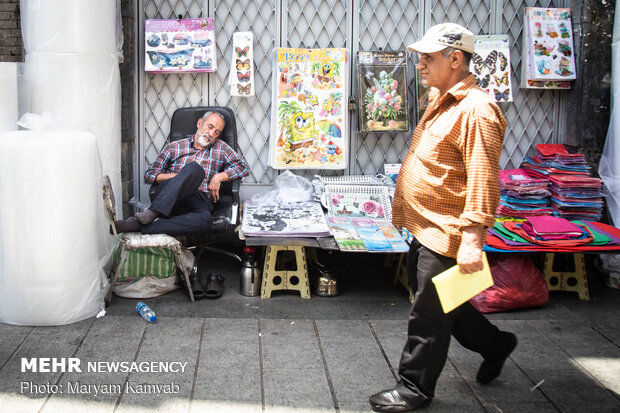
(549, 58)
(382, 86)
(241, 77)
(180, 46)
(490, 64)
(309, 110)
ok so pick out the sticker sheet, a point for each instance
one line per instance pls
(490, 64)
(309, 111)
(548, 45)
(180, 46)
(383, 91)
(242, 65)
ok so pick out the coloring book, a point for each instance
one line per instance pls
(302, 219)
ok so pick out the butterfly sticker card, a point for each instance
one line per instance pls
(548, 45)
(241, 78)
(309, 128)
(180, 46)
(490, 64)
(382, 80)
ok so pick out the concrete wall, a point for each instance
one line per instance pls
(11, 46)
(129, 127)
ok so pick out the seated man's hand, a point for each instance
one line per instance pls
(214, 185)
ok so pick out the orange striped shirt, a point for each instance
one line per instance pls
(448, 180)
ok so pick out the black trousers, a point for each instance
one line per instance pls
(183, 208)
(429, 329)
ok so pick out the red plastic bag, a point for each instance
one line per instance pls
(518, 283)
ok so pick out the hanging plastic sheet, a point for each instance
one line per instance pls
(609, 166)
(54, 239)
(77, 26)
(8, 97)
(73, 48)
(82, 92)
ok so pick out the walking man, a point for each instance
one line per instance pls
(446, 195)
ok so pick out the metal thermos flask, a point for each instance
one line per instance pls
(250, 279)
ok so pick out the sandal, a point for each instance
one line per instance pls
(215, 286)
(195, 284)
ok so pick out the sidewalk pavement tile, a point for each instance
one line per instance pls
(306, 389)
(572, 390)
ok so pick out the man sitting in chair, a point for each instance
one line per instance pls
(186, 179)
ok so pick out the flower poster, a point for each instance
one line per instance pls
(383, 91)
(309, 111)
(490, 64)
(548, 47)
(180, 46)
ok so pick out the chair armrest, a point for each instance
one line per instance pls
(236, 185)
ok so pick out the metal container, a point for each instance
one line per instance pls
(326, 283)
(251, 276)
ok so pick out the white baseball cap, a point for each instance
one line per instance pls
(444, 35)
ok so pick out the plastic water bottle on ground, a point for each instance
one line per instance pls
(146, 312)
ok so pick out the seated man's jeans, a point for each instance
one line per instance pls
(183, 208)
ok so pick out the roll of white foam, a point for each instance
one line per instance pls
(82, 92)
(77, 26)
(54, 239)
(8, 96)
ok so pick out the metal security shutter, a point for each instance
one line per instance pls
(534, 116)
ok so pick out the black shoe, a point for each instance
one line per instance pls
(195, 284)
(215, 286)
(391, 401)
(491, 368)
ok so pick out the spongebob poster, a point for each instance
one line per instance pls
(309, 116)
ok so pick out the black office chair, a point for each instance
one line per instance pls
(226, 212)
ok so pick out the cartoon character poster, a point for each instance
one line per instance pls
(309, 111)
(180, 46)
(548, 41)
(383, 91)
(490, 64)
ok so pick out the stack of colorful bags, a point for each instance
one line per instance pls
(574, 193)
(522, 195)
(547, 232)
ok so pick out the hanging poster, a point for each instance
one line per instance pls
(309, 110)
(383, 91)
(180, 46)
(548, 48)
(241, 76)
(490, 64)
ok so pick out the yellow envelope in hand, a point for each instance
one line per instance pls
(454, 287)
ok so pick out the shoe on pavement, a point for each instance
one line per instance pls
(391, 401)
(490, 369)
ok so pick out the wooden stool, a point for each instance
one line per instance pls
(274, 279)
(566, 280)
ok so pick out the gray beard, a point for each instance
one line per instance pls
(204, 142)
